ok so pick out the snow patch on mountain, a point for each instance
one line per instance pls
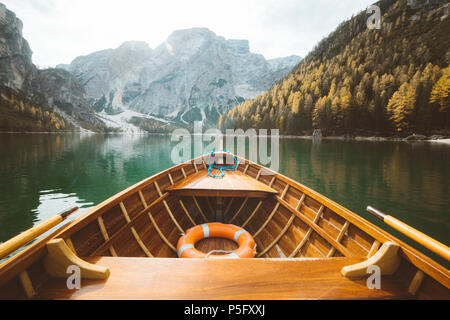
(122, 120)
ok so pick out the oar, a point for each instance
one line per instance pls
(27, 236)
(429, 243)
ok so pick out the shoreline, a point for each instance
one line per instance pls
(361, 138)
(444, 140)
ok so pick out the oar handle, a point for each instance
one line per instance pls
(27, 236)
(420, 237)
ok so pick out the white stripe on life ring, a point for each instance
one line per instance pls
(186, 246)
(205, 230)
(237, 234)
(233, 255)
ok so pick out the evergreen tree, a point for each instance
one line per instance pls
(384, 81)
(401, 106)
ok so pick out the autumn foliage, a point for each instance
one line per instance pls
(387, 81)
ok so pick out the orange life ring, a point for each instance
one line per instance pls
(186, 244)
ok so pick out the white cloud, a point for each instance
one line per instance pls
(60, 30)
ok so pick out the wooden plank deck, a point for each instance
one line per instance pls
(165, 278)
(232, 184)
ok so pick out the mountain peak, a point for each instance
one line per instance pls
(135, 46)
(193, 75)
(184, 43)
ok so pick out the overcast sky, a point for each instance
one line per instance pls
(60, 30)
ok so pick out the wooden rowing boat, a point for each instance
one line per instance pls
(308, 247)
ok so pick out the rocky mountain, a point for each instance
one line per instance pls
(193, 75)
(16, 68)
(33, 99)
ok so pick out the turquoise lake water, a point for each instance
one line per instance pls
(43, 174)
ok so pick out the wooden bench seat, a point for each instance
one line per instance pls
(232, 184)
(165, 278)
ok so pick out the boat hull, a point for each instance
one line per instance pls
(293, 226)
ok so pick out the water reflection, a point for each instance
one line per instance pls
(52, 202)
(83, 169)
(409, 181)
(43, 174)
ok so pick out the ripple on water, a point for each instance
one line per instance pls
(52, 202)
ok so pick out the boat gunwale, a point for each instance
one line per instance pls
(415, 257)
(37, 250)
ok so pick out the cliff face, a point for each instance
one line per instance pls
(59, 90)
(16, 68)
(193, 75)
(51, 90)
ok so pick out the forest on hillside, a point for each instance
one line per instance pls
(18, 113)
(389, 81)
(22, 113)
